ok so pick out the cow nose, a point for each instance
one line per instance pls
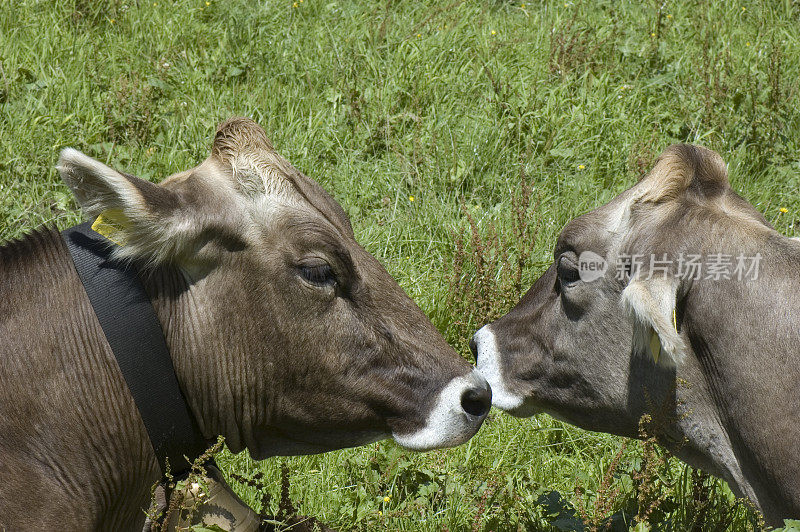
(473, 346)
(477, 401)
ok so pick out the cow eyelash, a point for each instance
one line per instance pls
(567, 272)
(318, 274)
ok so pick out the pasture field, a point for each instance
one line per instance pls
(460, 137)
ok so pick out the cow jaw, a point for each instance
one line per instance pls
(456, 416)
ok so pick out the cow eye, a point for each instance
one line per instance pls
(320, 274)
(567, 271)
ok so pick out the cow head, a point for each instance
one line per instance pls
(286, 335)
(600, 333)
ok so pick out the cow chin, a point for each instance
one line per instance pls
(528, 408)
(456, 416)
(274, 442)
(489, 366)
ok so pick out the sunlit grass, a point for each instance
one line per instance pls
(445, 103)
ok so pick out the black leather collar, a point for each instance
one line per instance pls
(134, 333)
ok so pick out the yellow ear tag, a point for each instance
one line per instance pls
(655, 345)
(111, 224)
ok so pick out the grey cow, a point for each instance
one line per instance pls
(679, 299)
(286, 336)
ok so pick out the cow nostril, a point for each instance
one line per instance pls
(473, 346)
(477, 401)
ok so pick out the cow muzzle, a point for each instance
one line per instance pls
(489, 364)
(456, 415)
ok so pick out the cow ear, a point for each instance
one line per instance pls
(650, 304)
(145, 219)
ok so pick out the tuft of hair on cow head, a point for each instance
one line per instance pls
(685, 169)
(258, 170)
(237, 135)
(651, 305)
(694, 177)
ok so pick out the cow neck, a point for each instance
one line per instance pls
(134, 333)
(204, 357)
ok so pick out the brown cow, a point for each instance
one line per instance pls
(286, 336)
(677, 298)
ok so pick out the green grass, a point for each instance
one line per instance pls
(448, 103)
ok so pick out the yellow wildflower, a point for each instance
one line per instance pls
(652, 34)
(669, 16)
(208, 4)
(784, 210)
(112, 21)
(411, 198)
(581, 167)
(387, 499)
(494, 32)
(380, 513)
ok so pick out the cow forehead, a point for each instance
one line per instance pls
(597, 229)
(266, 175)
(290, 215)
(626, 216)
(264, 184)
